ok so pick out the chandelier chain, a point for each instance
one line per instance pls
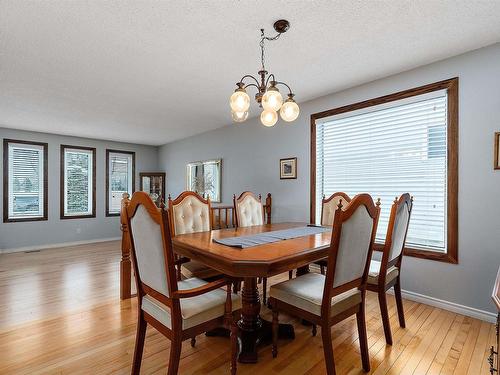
(263, 38)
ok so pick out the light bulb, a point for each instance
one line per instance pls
(239, 116)
(239, 101)
(290, 110)
(268, 117)
(272, 99)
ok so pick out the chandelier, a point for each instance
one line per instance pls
(268, 96)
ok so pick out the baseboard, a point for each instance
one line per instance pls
(450, 306)
(56, 245)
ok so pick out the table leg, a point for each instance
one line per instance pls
(255, 331)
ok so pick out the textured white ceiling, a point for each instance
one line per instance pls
(155, 71)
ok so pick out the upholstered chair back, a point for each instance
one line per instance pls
(354, 232)
(190, 213)
(401, 221)
(150, 243)
(329, 206)
(249, 210)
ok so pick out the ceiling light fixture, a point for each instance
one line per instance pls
(268, 95)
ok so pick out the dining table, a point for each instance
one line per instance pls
(250, 263)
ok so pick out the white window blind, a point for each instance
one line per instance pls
(26, 181)
(120, 179)
(78, 184)
(388, 150)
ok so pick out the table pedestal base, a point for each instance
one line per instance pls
(251, 340)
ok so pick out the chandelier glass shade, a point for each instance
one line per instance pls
(268, 95)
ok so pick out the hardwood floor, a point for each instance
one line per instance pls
(61, 314)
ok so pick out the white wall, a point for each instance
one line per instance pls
(251, 153)
(38, 234)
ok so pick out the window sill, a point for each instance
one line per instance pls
(423, 254)
(24, 219)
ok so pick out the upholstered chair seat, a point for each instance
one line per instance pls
(306, 292)
(194, 310)
(373, 273)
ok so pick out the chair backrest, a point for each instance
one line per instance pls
(353, 234)
(248, 209)
(397, 229)
(151, 247)
(190, 213)
(329, 206)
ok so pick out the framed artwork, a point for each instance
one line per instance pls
(153, 183)
(497, 151)
(204, 178)
(288, 168)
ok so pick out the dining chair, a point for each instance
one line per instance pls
(249, 211)
(178, 309)
(191, 213)
(328, 299)
(328, 208)
(385, 274)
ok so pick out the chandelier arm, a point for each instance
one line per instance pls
(249, 76)
(253, 85)
(284, 84)
(268, 78)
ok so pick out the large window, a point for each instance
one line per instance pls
(120, 178)
(405, 142)
(77, 182)
(25, 181)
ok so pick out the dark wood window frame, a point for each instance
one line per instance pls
(451, 86)
(63, 176)
(6, 181)
(108, 151)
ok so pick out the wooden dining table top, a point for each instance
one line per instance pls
(257, 261)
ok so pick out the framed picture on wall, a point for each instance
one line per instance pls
(497, 151)
(288, 168)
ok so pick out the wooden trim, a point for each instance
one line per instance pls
(451, 85)
(63, 175)
(45, 146)
(108, 151)
(496, 163)
(496, 291)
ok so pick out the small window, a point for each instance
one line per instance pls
(120, 173)
(77, 182)
(25, 181)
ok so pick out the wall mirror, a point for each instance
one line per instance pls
(153, 183)
(204, 178)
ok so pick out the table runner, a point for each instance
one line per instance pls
(243, 242)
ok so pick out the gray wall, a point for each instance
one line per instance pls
(251, 152)
(54, 230)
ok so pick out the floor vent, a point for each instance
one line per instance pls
(32, 251)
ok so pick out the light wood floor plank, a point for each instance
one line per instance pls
(60, 314)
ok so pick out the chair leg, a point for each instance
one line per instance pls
(275, 328)
(264, 290)
(326, 335)
(234, 346)
(236, 286)
(322, 269)
(363, 339)
(290, 274)
(314, 330)
(193, 342)
(382, 299)
(175, 356)
(399, 304)
(139, 344)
